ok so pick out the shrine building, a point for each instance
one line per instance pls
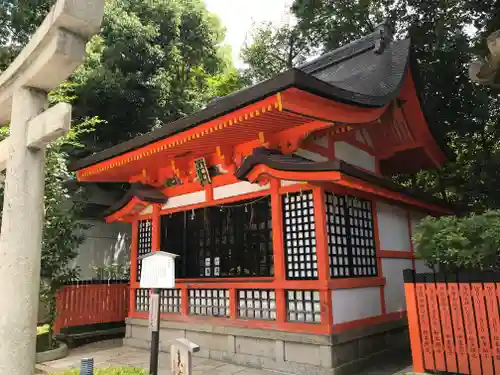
(292, 238)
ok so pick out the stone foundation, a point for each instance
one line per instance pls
(295, 353)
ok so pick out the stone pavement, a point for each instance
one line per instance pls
(111, 354)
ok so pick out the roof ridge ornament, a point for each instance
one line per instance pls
(385, 37)
(485, 70)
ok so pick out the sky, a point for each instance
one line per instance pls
(238, 15)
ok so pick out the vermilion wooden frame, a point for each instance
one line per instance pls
(278, 282)
(284, 120)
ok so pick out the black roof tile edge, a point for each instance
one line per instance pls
(260, 156)
(145, 193)
(410, 276)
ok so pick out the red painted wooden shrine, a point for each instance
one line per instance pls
(279, 199)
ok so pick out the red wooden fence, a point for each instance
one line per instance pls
(91, 302)
(454, 322)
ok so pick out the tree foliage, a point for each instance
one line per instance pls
(451, 244)
(153, 62)
(274, 49)
(446, 36)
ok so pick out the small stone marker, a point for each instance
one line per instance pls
(181, 352)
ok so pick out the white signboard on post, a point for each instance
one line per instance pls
(158, 270)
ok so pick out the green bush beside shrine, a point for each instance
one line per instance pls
(453, 244)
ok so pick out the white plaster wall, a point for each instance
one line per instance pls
(366, 137)
(147, 210)
(288, 182)
(237, 188)
(309, 155)
(359, 136)
(355, 156)
(104, 244)
(322, 141)
(416, 217)
(185, 199)
(355, 304)
(420, 267)
(394, 287)
(393, 228)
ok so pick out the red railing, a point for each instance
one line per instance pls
(91, 302)
(454, 322)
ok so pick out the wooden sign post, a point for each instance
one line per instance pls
(158, 272)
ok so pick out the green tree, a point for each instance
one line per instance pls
(18, 20)
(273, 49)
(153, 62)
(446, 36)
(452, 244)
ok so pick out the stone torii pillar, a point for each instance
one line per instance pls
(53, 53)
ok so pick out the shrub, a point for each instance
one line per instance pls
(459, 243)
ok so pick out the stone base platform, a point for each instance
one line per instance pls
(295, 353)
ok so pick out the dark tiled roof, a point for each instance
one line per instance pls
(359, 69)
(145, 193)
(359, 73)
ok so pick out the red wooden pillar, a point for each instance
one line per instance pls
(323, 258)
(156, 229)
(376, 235)
(133, 266)
(410, 233)
(184, 300)
(278, 250)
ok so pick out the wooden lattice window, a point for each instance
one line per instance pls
(257, 304)
(303, 306)
(142, 300)
(351, 241)
(144, 242)
(212, 302)
(170, 300)
(232, 240)
(300, 236)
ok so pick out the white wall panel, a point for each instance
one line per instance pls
(239, 188)
(355, 304)
(104, 244)
(393, 227)
(185, 199)
(420, 267)
(323, 141)
(416, 217)
(394, 287)
(309, 155)
(355, 156)
(288, 182)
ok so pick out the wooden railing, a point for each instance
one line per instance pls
(454, 322)
(91, 302)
